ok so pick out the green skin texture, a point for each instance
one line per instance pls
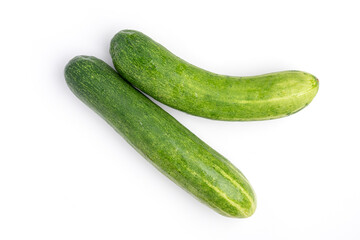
(156, 71)
(161, 139)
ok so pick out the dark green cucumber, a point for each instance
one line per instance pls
(154, 70)
(155, 134)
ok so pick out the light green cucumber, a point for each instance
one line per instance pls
(156, 71)
(157, 136)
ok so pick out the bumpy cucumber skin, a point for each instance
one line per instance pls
(161, 139)
(156, 71)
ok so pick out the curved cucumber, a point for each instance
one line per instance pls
(156, 135)
(154, 70)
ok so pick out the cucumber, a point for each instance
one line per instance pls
(154, 70)
(160, 138)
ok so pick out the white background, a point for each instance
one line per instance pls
(66, 174)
